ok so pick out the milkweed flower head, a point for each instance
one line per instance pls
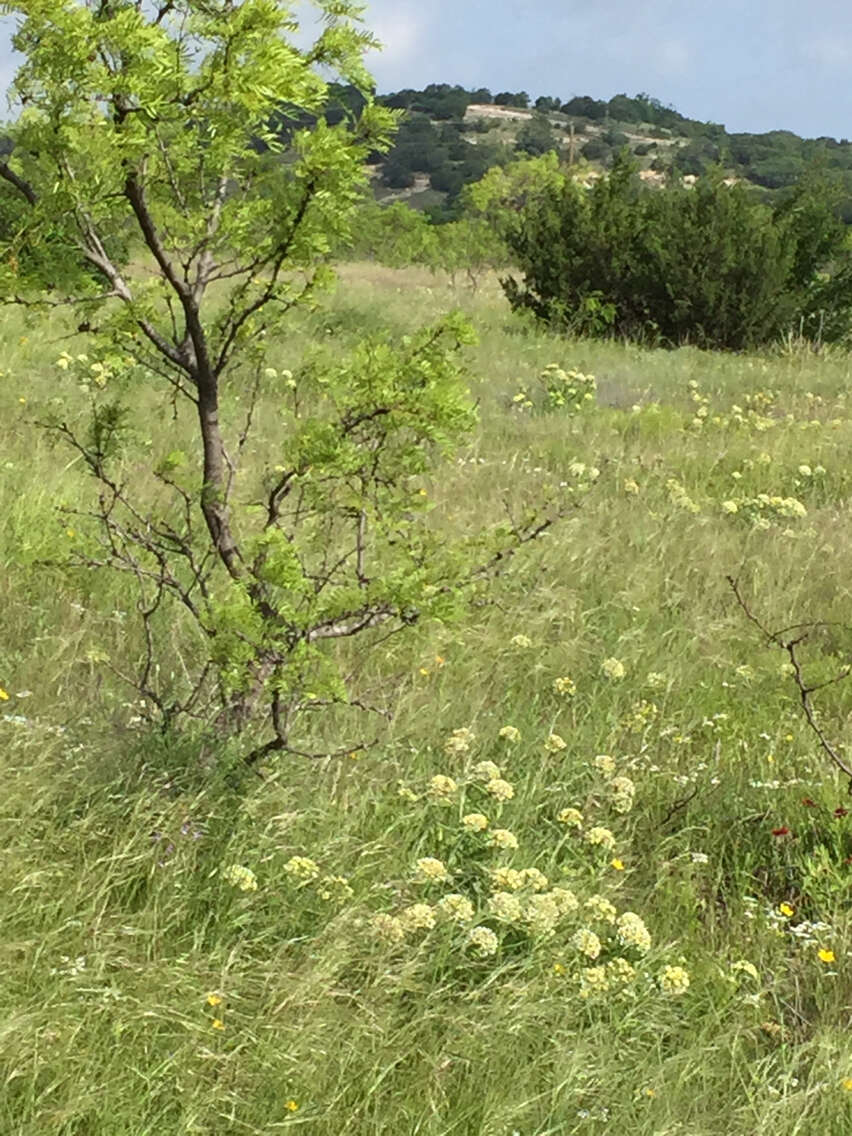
(613, 669)
(459, 742)
(596, 907)
(486, 771)
(565, 900)
(509, 733)
(302, 868)
(554, 743)
(506, 879)
(586, 942)
(505, 907)
(240, 877)
(335, 888)
(388, 928)
(417, 917)
(601, 838)
(541, 914)
(621, 971)
(632, 932)
(564, 685)
(429, 870)
(533, 878)
(571, 818)
(483, 941)
(674, 980)
(456, 907)
(593, 980)
(604, 764)
(442, 788)
(499, 789)
(504, 839)
(521, 641)
(475, 822)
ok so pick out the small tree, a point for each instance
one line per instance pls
(177, 220)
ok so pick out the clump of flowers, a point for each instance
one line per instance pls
(456, 907)
(571, 818)
(597, 907)
(459, 742)
(613, 669)
(486, 771)
(499, 789)
(632, 932)
(522, 641)
(428, 870)
(568, 390)
(504, 839)
(507, 878)
(604, 764)
(586, 942)
(417, 917)
(601, 838)
(483, 941)
(554, 743)
(388, 928)
(334, 889)
(505, 907)
(475, 822)
(542, 914)
(623, 791)
(674, 980)
(564, 685)
(302, 868)
(442, 789)
(241, 877)
(593, 980)
(509, 733)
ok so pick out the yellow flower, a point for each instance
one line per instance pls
(218, 1024)
(243, 878)
(630, 486)
(456, 907)
(484, 941)
(510, 733)
(417, 917)
(554, 744)
(632, 932)
(499, 789)
(602, 837)
(486, 771)
(613, 669)
(571, 817)
(604, 764)
(564, 685)
(292, 1106)
(522, 641)
(617, 864)
(4, 696)
(846, 1084)
(503, 838)
(505, 907)
(786, 909)
(558, 968)
(214, 1000)
(302, 868)
(674, 980)
(826, 955)
(586, 942)
(430, 870)
(475, 822)
(388, 928)
(442, 788)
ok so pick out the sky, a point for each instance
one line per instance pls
(752, 65)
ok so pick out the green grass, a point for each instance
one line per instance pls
(118, 920)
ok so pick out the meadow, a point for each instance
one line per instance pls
(595, 874)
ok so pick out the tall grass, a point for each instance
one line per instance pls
(144, 993)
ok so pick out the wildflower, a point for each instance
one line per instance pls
(564, 685)
(503, 838)
(4, 695)
(243, 878)
(486, 771)
(442, 788)
(554, 743)
(617, 864)
(406, 794)
(826, 955)
(572, 818)
(730, 507)
(459, 741)
(586, 942)
(456, 907)
(509, 733)
(632, 932)
(782, 831)
(558, 968)
(601, 837)
(475, 822)
(522, 641)
(786, 910)
(335, 887)
(846, 1084)
(508, 878)
(534, 879)
(217, 1024)
(674, 980)
(542, 914)
(388, 927)
(621, 970)
(499, 789)
(613, 669)
(805, 471)
(655, 680)
(564, 899)
(214, 999)
(593, 980)
(604, 764)
(302, 868)
(417, 917)
(429, 870)
(841, 812)
(505, 907)
(599, 908)
(699, 857)
(746, 967)
(483, 940)
(631, 486)
(292, 1106)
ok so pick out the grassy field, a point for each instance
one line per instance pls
(180, 958)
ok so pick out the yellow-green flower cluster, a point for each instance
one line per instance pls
(428, 870)
(765, 508)
(504, 839)
(554, 743)
(564, 685)
(623, 791)
(509, 733)
(241, 877)
(674, 980)
(632, 932)
(600, 837)
(302, 868)
(459, 742)
(586, 942)
(613, 669)
(679, 496)
(570, 817)
(442, 789)
(483, 941)
(475, 822)
(456, 907)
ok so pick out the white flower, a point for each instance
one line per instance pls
(632, 932)
(505, 907)
(456, 907)
(586, 942)
(442, 788)
(417, 917)
(601, 837)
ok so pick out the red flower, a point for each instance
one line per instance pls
(810, 804)
(841, 812)
(783, 831)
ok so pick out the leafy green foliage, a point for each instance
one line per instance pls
(704, 265)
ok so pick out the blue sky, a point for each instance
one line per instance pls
(750, 64)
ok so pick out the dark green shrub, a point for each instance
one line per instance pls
(709, 265)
